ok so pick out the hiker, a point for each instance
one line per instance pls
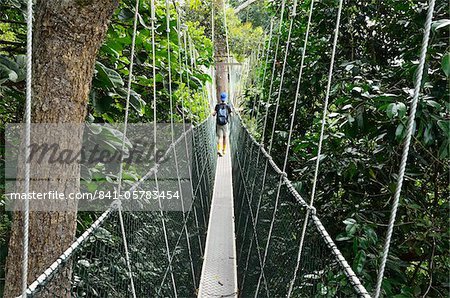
(222, 111)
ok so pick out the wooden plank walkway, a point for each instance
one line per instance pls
(219, 272)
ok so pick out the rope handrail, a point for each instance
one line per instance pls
(337, 253)
(355, 281)
(61, 260)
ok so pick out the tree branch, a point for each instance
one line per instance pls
(243, 5)
(12, 43)
(12, 22)
(430, 269)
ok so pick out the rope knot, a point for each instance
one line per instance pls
(313, 210)
(284, 174)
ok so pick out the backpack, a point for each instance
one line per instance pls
(222, 114)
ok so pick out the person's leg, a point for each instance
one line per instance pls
(224, 143)
(219, 134)
(225, 134)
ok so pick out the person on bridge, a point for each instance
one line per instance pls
(223, 112)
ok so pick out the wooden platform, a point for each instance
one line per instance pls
(219, 272)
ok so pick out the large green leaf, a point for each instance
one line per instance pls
(9, 69)
(445, 64)
(136, 100)
(400, 132)
(445, 126)
(440, 24)
(108, 77)
(396, 109)
(360, 259)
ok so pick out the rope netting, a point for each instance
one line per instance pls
(322, 270)
(131, 251)
(282, 247)
(95, 265)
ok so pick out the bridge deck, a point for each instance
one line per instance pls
(219, 277)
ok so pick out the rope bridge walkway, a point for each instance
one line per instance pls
(219, 277)
(272, 269)
(165, 248)
(257, 222)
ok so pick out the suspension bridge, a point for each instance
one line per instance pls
(248, 231)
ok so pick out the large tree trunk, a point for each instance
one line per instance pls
(67, 36)
(220, 52)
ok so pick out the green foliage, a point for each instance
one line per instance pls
(365, 128)
(256, 13)
(109, 88)
(446, 64)
(107, 99)
(243, 36)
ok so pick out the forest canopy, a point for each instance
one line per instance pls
(376, 61)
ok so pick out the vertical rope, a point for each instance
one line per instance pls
(291, 127)
(173, 140)
(325, 110)
(186, 65)
(262, 81)
(286, 53)
(155, 149)
(26, 212)
(267, 52)
(274, 66)
(288, 41)
(127, 108)
(259, 55)
(258, 248)
(409, 132)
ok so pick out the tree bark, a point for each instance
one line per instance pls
(220, 52)
(67, 36)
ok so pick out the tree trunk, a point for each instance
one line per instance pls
(220, 51)
(67, 36)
